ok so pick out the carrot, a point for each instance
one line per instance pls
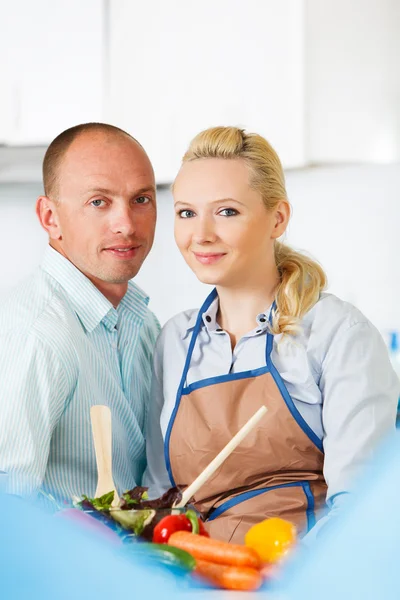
(228, 577)
(215, 551)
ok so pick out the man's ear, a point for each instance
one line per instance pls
(46, 210)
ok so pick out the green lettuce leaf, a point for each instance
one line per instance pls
(135, 520)
(102, 503)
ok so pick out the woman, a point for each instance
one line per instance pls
(266, 335)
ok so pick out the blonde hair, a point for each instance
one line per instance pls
(301, 278)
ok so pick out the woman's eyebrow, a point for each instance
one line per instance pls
(219, 201)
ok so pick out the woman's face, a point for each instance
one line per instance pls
(222, 228)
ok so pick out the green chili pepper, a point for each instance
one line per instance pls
(165, 554)
(191, 515)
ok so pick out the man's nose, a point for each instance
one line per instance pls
(123, 221)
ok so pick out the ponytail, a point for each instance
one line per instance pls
(301, 282)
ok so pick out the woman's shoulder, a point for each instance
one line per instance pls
(179, 325)
(335, 312)
(333, 320)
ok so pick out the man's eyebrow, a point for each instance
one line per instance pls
(102, 190)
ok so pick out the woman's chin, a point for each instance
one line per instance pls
(209, 278)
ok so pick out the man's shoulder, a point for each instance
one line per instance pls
(151, 328)
(37, 305)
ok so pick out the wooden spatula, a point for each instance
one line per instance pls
(219, 459)
(101, 429)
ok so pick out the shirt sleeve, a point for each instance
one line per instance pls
(360, 392)
(33, 394)
(156, 475)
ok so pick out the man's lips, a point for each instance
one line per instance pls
(208, 258)
(123, 252)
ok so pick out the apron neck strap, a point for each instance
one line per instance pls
(207, 303)
(270, 337)
(209, 300)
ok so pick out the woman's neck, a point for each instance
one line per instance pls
(239, 306)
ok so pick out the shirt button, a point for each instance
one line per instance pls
(262, 319)
(208, 319)
(219, 329)
(258, 330)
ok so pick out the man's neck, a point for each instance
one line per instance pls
(114, 292)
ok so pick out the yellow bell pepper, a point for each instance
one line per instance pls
(271, 538)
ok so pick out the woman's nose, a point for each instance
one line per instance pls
(204, 231)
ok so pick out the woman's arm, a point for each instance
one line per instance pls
(360, 393)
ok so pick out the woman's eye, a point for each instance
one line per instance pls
(186, 214)
(96, 203)
(142, 200)
(228, 212)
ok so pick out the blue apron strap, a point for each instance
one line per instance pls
(270, 338)
(209, 300)
(283, 390)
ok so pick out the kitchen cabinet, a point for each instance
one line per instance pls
(352, 80)
(179, 67)
(52, 75)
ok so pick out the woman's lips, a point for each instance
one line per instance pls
(208, 258)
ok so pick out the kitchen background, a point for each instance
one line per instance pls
(320, 79)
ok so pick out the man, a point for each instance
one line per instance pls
(79, 332)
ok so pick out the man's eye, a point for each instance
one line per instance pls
(142, 200)
(96, 203)
(186, 214)
(228, 212)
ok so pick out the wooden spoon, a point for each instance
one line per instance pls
(219, 459)
(101, 429)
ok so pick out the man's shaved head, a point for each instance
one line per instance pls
(59, 146)
(99, 207)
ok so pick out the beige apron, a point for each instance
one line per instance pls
(275, 471)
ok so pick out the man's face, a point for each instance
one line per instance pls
(105, 208)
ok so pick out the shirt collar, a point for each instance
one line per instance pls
(210, 320)
(91, 306)
(135, 301)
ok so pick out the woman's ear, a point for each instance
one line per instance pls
(282, 216)
(46, 210)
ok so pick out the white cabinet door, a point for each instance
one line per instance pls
(177, 67)
(353, 80)
(52, 63)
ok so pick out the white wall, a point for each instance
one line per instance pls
(347, 217)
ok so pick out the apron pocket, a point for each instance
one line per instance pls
(291, 501)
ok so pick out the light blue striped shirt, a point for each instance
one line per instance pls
(63, 348)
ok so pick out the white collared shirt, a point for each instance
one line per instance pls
(336, 370)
